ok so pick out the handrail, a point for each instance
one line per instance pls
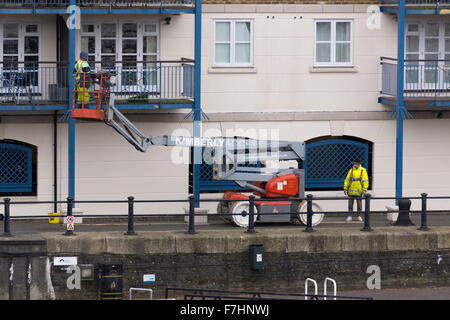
(325, 287)
(7, 203)
(255, 294)
(316, 290)
(182, 60)
(96, 3)
(416, 60)
(418, 2)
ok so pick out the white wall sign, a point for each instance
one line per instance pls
(65, 261)
(149, 278)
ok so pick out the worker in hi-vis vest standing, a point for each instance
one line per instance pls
(355, 186)
(82, 79)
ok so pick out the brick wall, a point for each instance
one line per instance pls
(283, 272)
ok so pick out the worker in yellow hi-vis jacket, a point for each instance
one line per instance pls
(82, 79)
(355, 186)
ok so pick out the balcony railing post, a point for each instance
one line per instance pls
(251, 214)
(423, 219)
(309, 214)
(6, 223)
(367, 214)
(130, 231)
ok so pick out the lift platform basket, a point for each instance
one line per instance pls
(91, 95)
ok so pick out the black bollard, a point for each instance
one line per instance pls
(309, 214)
(423, 219)
(69, 232)
(130, 231)
(251, 214)
(404, 205)
(367, 215)
(6, 223)
(191, 228)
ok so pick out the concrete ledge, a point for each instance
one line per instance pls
(207, 242)
(19, 245)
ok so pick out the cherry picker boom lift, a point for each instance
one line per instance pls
(229, 156)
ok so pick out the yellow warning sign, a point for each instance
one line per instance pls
(70, 226)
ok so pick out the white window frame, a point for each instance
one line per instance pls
(119, 38)
(21, 53)
(21, 38)
(333, 43)
(233, 43)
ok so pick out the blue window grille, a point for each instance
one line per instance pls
(208, 184)
(327, 162)
(16, 168)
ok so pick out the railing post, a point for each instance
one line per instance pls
(6, 224)
(251, 214)
(367, 214)
(130, 231)
(309, 214)
(69, 232)
(423, 220)
(191, 229)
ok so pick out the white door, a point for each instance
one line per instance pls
(124, 47)
(150, 54)
(20, 51)
(130, 76)
(428, 42)
(446, 73)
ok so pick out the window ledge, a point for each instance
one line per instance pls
(350, 69)
(231, 70)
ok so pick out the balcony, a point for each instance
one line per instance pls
(138, 85)
(418, 6)
(426, 82)
(98, 6)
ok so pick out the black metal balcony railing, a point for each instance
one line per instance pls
(422, 78)
(38, 83)
(418, 2)
(96, 3)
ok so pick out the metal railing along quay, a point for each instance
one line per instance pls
(217, 294)
(403, 217)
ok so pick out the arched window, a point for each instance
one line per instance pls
(17, 168)
(208, 184)
(328, 160)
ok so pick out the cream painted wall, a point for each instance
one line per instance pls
(283, 78)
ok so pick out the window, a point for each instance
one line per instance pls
(328, 160)
(20, 52)
(333, 43)
(208, 184)
(233, 43)
(427, 50)
(131, 47)
(18, 163)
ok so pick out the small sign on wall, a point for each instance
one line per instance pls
(149, 278)
(65, 261)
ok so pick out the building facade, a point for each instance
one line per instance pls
(323, 73)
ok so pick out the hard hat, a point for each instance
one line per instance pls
(84, 55)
